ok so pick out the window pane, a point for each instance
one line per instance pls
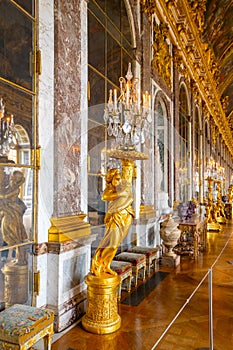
(97, 91)
(125, 28)
(27, 5)
(126, 59)
(101, 3)
(113, 9)
(114, 60)
(96, 56)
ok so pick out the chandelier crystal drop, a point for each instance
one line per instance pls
(8, 135)
(127, 118)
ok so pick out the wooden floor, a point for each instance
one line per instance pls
(144, 324)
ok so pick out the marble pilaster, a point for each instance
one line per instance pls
(67, 104)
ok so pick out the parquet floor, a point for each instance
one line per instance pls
(143, 325)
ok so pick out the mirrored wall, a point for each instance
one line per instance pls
(17, 150)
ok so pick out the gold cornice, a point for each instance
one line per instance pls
(68, 228)
(197, 59)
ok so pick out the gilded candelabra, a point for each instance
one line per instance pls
(8, 135)
(102, 282)
(220, 212)
(211, 208)
(128, 118)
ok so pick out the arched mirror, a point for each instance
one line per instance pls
(184, 154)
(110, 51)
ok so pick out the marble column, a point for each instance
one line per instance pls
(69, 247)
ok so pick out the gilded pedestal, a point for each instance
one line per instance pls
(102, 309)
(102, 282)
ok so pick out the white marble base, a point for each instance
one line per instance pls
(145, 233)
(70, 312)
(170, 261)
(68, 264)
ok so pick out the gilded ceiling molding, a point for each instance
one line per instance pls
(180, 64)
(161, 61)
(198, 9)
(225, 102)
(184, 31)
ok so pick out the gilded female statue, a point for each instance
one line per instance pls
(118, 218)
(12, 209)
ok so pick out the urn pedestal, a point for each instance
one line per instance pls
(170, 235)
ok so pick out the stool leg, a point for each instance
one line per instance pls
(155, 262)
(129, 283)
(48, 342)
(144, 272)
(136, 277)
(149, 263)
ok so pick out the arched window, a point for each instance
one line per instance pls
(110, 50)
(184, 152)
(162, 143)
(197, 155)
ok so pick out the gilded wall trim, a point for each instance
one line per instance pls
(185, 22)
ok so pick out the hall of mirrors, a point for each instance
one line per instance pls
(59, 62)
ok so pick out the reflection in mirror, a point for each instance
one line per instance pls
(16, 232)
(15, 205)
(16, 286)
(19, 105)
(17, 141)
(16, 45)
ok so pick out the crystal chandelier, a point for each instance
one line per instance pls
(126, 116)
(8, 136)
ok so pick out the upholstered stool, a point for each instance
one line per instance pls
(138, 262)
(22, 326)
(124, 270)
(150, 253)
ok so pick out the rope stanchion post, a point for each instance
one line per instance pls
(211, 335)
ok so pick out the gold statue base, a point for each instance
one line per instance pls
(102, 309)
(213, 226)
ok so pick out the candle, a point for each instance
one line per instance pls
(143, 100)
(139, 100)
(127, 95)
(110, 97)
(115, 99)
(146, 99)
(149, 101)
